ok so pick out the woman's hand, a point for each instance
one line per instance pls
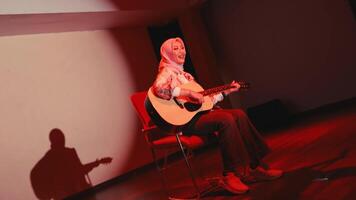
(196, 97)
(191, 96)
(235, 87)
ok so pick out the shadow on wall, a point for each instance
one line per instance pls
(59, 173)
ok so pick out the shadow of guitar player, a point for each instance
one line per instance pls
(60, 173)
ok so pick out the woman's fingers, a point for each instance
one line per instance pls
(235, 86)
(197, 97)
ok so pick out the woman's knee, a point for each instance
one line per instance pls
(225, 118)
(239, 113)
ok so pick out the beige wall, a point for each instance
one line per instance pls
(55, 6)
(79, 82)
(302, 52)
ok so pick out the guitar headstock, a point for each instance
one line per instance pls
(105, 160)
(244, 85)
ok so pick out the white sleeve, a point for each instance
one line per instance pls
(217, 98)
(176, 92)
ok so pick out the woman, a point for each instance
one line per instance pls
(242, 147)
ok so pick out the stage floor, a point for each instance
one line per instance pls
(317, 153)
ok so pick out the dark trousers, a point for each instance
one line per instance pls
(241, 145)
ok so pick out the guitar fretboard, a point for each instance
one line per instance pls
(222, 88)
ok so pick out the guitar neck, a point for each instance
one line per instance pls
(216, 90)
(222, 88)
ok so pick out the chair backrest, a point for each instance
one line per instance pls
(138, 101)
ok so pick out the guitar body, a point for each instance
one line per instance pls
(174, 114)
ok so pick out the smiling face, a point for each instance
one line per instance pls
(178, 52)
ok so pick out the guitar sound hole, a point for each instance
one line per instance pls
(191, 106)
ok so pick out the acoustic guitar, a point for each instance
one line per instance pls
(179, 111)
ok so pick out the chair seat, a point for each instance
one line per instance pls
(191, 142)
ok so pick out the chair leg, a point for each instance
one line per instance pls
(188, 166)
(163, 181)
(199, 193)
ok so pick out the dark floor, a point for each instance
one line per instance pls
(315, 147)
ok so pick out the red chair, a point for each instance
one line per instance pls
(158, 139)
